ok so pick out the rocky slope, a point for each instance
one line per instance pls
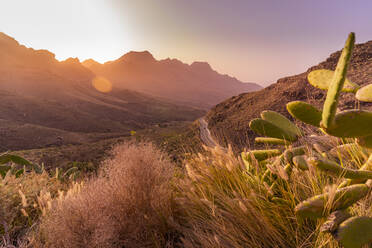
(228, 121)
(46, 102)
(196, 84)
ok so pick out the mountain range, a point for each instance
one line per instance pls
(194, 85)
(46, 102)
(229, 120)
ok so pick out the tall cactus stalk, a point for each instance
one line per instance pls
(330, 104)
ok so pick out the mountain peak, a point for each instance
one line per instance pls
(71, 61)
(6, 39)
(202, 66)
(12, 52)
(90, 62)
(144, 56)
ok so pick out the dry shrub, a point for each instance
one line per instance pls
(128, 205)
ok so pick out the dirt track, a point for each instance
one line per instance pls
(205, 134)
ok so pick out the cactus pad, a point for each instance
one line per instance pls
(365, 93)
(335, 169)
(266, 128)
(300, 162)
(322, 79)
(305, 112)
(292, 152)
(280, 121)
(271, 141)
(351, 123)
(365, 141)
(367, 166)
(6, 158)
(355, 232)
(4, 169)
(315, 207)
(260, 155)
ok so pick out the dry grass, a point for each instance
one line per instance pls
(22, 202)
(222, 204)
(128, 205)
(138, 200)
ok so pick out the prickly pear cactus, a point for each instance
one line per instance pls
(352, 125)
(266, 128)
(305, 112)
(322, 79)
(338, 80)
(281, 121)
(335, 169)
(260, 155)
(367, 166)
(355, 232)
(365, 141)
(364, 94)
(301, 162)
(271, 141)
(316, 207)
(7, 162)
(349, 123)
(6, 158)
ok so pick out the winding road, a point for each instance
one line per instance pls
(205, 134)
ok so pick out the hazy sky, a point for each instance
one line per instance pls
(258, 41)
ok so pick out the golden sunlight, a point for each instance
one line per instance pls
(102, 84)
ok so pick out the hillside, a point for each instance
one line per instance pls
(46, 102)
(228, 121)
(196, 84)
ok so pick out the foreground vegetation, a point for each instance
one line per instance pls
(307, 189)
(140, 198)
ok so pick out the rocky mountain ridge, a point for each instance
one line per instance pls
(196, 84)
(228, 121)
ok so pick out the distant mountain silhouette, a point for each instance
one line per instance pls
(196, 84)
(229, 120)
(45, 102)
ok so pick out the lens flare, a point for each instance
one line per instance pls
(102, 84)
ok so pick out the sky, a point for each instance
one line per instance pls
(254, 40)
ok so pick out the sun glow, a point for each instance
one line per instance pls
(69, 28)
(102, 84)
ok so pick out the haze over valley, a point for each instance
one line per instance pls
(46, 102)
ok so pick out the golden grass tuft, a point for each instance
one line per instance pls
(23, 199)
(222, 204)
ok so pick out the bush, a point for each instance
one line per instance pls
(128, 205)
